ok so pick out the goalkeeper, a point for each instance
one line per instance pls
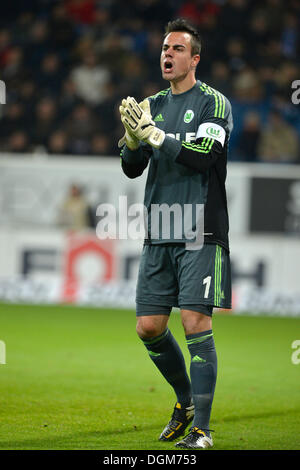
(182, 134)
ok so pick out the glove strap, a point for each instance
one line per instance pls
(156, 138)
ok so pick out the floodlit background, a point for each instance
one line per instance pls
(73, 374)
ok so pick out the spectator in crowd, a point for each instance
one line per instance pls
(151, 52)
(81, 11)
(28, 96)
(258, 33)
(62, 30)
(93, 53)
(80, 128)
(285, 74)
(247, 147)
(290, 36)
(18, 142)
(101, 145)
(197, 11)
(113, 52)
(105, 113)
(282, 102)
(234, 17)
(5, 45)
(91, 80)
(279, 142)
(37, 43)
(247, 87)
(58, 143)
(74, 213)
(235, 55)
(14, 71)
(50, 74)
(44, 122)
(133, 76)
(68, 98)
(220, 77)
(273, 11)
(14, 119)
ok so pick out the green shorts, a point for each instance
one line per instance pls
(171, 276)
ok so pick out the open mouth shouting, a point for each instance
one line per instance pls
(168, 66)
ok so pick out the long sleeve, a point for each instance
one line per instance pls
(199, 155)
(134, 162)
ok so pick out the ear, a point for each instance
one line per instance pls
(195, 60)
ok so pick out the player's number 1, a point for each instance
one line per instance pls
(206, 283)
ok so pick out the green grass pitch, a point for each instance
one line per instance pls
(79, 378)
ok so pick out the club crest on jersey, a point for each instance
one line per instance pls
(213, 132)
(189, 116)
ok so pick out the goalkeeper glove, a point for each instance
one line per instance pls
(140, 124)
(128, 138)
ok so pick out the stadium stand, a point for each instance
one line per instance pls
(67, 64)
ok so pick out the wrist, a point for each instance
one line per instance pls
(132, 157)
(171, 147)
(132, 146)
(132, 142)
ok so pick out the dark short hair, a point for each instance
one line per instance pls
(182, 25)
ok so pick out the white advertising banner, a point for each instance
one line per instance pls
(40, 262)
(77, 267)
(33, 189)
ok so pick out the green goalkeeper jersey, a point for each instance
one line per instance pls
(186, 176)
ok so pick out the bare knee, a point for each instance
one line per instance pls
(151, 326)
(195, 322)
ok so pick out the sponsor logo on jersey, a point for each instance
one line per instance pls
(159, 118)
(189, 116)
(188, 136)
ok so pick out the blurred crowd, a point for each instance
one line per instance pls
(67, 64)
